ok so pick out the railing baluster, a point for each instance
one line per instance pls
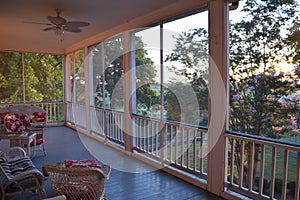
(262, 169)
(176, 145)
(285, 174)
(232, 153)
(297, 187)
(150, 139)
(273, 175)
(157, 139)
(54, 111)
(242, 163)
(182, 146)
(171, 143)
(142, 140)
(188, 149)
(251, 166)
(195, 150)
(201, 152)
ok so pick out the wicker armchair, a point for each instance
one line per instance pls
(77, 183)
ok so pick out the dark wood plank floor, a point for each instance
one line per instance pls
(130, 179)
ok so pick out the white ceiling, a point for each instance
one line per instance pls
(15, 35)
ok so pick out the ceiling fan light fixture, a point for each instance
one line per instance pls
(58, 31)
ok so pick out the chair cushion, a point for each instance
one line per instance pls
(39, 117)
(3, 159)
(13, 168)
(37, 142)
(24, 119)
(82, 163)
(13, 123)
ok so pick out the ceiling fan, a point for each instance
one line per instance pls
(59, 24)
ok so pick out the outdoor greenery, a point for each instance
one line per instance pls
(259, 54)
(191, 51)
(108, 75)
(264, 94)
(42, 78)
(261, 45)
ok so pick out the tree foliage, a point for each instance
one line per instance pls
(112, 75)
(191, 51)
(258, 51)
(259, 47)
(42, 77)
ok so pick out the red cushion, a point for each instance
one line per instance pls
(25, 119)
(37, 142)
(39, 117)
(82, 163)
(13, 123)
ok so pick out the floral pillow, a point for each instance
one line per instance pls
(13, 123)
(24, 119)
(39, 117)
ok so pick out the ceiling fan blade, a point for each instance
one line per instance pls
(58, 20)
(48, 29)
(71, 29)
(76, 24)
(28, 22)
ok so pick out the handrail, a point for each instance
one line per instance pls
(264, 139)
(170, 122)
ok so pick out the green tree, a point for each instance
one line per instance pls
(257, 51)
(145, 77)
(45, 74)
(11, 77)
(42, 77)
(191, 50)
(112, 53)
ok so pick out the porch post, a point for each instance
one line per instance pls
(86, 89)
(23, 77)
(218, 95)
(127, 111)
(64, 68)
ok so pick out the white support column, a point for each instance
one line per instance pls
(66, 87)
(127, 111)
(86, 89)
(23, 78)
(90, 77)
(218, 94)
(133, 100)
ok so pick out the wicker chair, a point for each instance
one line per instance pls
(19, 176)
(77, 183)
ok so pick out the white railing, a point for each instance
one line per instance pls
(55, 110)
(180, 146)
(257, 167)
(263, 168)
(76, 115)
(107, 124)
